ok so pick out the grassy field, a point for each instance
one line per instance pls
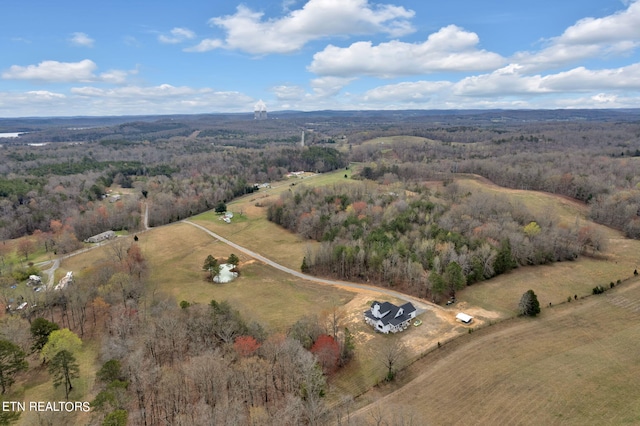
(176, 253)
(575, 364)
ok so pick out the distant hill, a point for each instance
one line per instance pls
(27, 124)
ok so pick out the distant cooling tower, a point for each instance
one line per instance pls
(260, 111)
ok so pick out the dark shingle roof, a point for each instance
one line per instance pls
(390, 312)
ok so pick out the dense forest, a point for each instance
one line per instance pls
(178, 178)
(417, 240)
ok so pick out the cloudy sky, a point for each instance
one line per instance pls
(72, 57)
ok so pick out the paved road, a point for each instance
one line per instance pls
(420, 305)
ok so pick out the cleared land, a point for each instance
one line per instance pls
(575, 364)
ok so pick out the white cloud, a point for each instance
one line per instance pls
(599, 100)
(620, 26)
(288, 4)
(611, 35)
(44, 95)
(178, 35)
(31, 103)
(116, 76)
(247, 30)
(206, 45)
(511, 80)
(65, 72)
(129, 100)
(81, 39)
(53, 71)
(449, 49)
(582, 79)
(131, 41)
(160, 99)
(160, 91)
(325, 87)
(288, 93)
(418, 91)
(502, 82)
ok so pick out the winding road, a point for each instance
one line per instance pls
(420, 305)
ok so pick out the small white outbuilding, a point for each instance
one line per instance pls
(464, 318)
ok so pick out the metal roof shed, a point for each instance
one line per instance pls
(467, 319)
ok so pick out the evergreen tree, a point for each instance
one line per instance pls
(8, 417)
(116, 418)
(347, 347)
(437, 283)
(233, 260)
(504, 259)
(12, 361)
(211, 265)
(304, 268)
(63, 367)
(110, 371)
(529, 305)
(40, 331)
(454, 278)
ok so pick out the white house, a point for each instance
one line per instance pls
(386, 317)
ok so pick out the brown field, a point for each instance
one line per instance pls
(575, 364)
(489, 301)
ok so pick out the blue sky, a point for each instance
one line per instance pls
(163, 57)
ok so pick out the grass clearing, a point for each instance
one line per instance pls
(538, 203)
(176, 253)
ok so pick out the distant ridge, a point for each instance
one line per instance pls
(24, 124)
